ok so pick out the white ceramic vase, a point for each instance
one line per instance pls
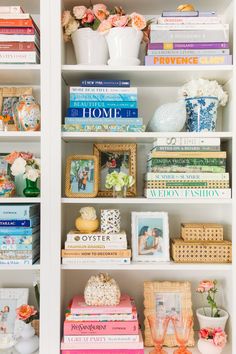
(28, 342)
(208, 347)
(124, 45)
(90, 47)
(205, 321)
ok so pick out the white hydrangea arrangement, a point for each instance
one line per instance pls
(202, 88)
(119, 180)
(23, 163)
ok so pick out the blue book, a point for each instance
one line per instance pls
(19, 247)
(16, 211)
(35, 220)
(104, 104)
(102, 113)
(20, 239)
(100, 97)
(18, 231)
(106, 121)
(105, 83)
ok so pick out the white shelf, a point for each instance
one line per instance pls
(147, 75)
(19, 200)
(19, 267)
(14, 136)
(20, 74)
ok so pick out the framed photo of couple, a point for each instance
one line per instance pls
(150, 237)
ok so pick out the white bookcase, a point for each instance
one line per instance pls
(50, 81)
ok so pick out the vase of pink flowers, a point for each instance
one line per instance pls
(210, 316)
(81, 26)
(211, 340)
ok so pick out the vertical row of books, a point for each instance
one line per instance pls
(19, 37)
(102, 329)
(19, 234)
(191, 168)
(189, 38)
(103, 106)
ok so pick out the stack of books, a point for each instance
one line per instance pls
(190, 168)
(102, 329)
(19, 234)
(189, 38)
(103, 106)
(96, 248)
(19, 37)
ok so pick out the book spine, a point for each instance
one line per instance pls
(18, 231)
(103, 318)
(97, 237)
(97, 253)
(187, 148)
(187, 162)
(198, 45)
(100, 328)
(172, 141)
(189, 52)
(105, 246)
(102, 351)
(102, 339)
(187, 169)
(17, 261)
(189, 14)
(105, 83)
(189, 27)
(189, 36)
(18, 247)
(188, 193)
(18, 46)
(75, 92)
(19, 57)
(103, 97)
(73, 112)
(79, 261)
(189, 60)
(188, 20)
(187, 176)
(18, 211)
(103, 128)
(16, 23)
(10, 10)
(104, 113)
(193, 154)
(186, 184)
(23, 16)
(21, 223)
(19, 240)
(105, 121)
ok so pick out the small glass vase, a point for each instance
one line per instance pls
(31, 190)
(120, 194)
(28, 342)
(158, 327)
(182, 328)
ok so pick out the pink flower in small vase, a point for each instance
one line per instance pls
(88, 17)
(100, 11)
(26, 155)
(200, 289)
(204, 333)
(79, 12)
(105, 26)
(207, 285)
(65, 18)
(119, 21)
(220, 339)
(138, 21)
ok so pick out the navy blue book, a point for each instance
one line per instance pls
(32, 222)
(102, 113)
(105, 83)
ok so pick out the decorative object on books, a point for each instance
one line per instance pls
(169, 117)
(27, 114)
(158, 327)
(4, 120)
(120, 182)
(202, 232)
(182, 328)
(211, 340)
(29, 342)
(87, 222)
(185, 7)
(81, 26)
(211, 316)
(115, 158)
(102, 290)
(167, 299)
(82, 176)
(202, 100)
(150, 237)
(110, 221)
(7, 187)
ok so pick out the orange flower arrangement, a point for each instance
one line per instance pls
(26, 313)
(5, 118)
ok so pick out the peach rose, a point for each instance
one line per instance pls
(12, 157)
(104, 26)
(220, 339)
(138, 21)
(100, 11)
(71, 27)
(65, 18)
(200, 289)
(79, 11)
(119, 21)
(26, 155)
(207, 285)
(88, 17)
(24, 312)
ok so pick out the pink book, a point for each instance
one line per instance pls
(103, 351)
(76, 328)
(79, 306)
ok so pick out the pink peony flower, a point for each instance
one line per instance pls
(88, 17)
(65, 18)
(12, 157)
(105, 26)
(118, 20)
(204, 333)
(220, 339)
(138, 21)
(79, 11)
(207, 285)
(26, 155)
(200, 289)
(100, 11)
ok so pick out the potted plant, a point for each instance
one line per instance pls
(202, 98)
(124, 34)
(80, 26)
(210, 316)
(120, 182)
(211, 340)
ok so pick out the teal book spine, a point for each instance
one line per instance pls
(18, 231)
(102, 98)
(103, 104)
(18, 211)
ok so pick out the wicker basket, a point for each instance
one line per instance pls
(202, 232)
(201, 252)
(36, 325)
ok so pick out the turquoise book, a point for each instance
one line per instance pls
(18, 231)
(18, 211)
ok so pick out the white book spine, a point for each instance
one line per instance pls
(188, 193)
(186, 176)
(102, 339)
(190, 27)
(191, 36)
(10, 10)
(102, 90)
(189, 20)
(190, 141)
(13, 16)
(96, 238)
(189, 52)
(19, 57)
(18, 38)
(107, 261)
(16, 262)
(104, 317)
(105, 246)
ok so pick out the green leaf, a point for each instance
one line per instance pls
(96, 24)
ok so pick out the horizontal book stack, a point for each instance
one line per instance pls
(102, 329)
(96, 248)
(103, 106)
(189, 38)
(19, 37)
(19, 234)
(190, 168)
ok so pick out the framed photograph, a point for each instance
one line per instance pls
(5, 168)
(82, 176)
(115, 157)
(167, 299)
(10, 299)
(150, 237)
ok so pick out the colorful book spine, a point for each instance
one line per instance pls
(18, 261)
(103, 351)
(102, 339)
(187, 184)
(187, 169)
(28, 34)
(186, 162)
(82, 261)
(103, 97)
(103, 128)
(103, 318)
(71, 112)
(189, 27)
(97, 253)
(75, 236)
(188, 20)
(11, 10)
(18, 247)
(189, 52)
(104, 113)
(178, 46)
(188, 193)
(193, 36)
(189, 60)
(105, 246)
(75, 92)
(105, 83)
(187, 148)
(18, 211)
(19, 240)
(19, 254)
(35, 220)
(173, 141)
(17, 23)
(18, 46)
(186, 176)
(105, 121)
(18, 231)
(19, 57)
(100, 328)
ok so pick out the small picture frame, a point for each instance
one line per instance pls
(150, 237)
(167, 299)
(10, 300)
(115, 157)
(81, 176)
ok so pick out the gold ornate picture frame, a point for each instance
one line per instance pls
(116, 157)
(81, 176)
(166, 297)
